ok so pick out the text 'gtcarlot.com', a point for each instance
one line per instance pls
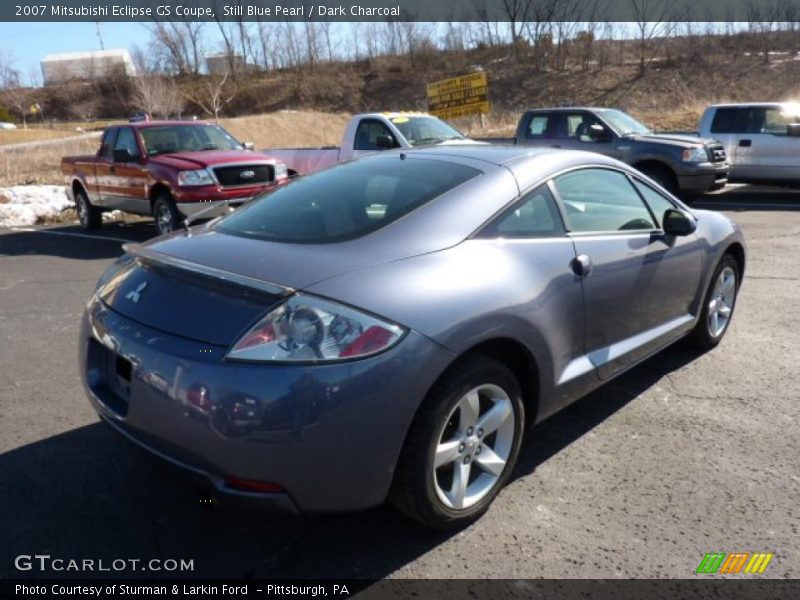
(45, 562)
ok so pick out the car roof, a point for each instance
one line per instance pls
(571, 108)
(746, 104)
(528, 164)
(146, 124)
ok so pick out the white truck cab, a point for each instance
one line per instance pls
(372, 132)
(761, 139)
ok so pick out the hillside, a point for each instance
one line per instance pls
(681, 76)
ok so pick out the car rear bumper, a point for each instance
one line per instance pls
(703, 177)
(329, 435)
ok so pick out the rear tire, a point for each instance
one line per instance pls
(165, 214)
(90, 217)
(718, 305)
(663, 176)
(462, 445)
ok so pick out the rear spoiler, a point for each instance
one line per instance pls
(159, 258)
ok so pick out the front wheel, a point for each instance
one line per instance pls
(166, 214)
(718, 305)
(462, 446)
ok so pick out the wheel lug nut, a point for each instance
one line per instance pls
(469, 430)
(461, 447)
(466, 459)
(477, 450)
(480, 432)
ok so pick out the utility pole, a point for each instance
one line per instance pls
(99, 35)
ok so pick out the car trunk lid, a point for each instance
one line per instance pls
(187, 299)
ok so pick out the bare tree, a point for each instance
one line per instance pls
(213, 94)
(158, 95)
(651, 20)
(16, 95)
(762, 19)
(517, 13)
(178, 45)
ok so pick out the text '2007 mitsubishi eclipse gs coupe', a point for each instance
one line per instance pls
(388, 328)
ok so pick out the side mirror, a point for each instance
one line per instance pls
(123, 155)
(384, 142)
(248, 146)
(793, 130)
(598, 133)
(677, 222)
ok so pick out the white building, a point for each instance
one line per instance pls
(58, 68)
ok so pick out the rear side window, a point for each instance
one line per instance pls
(347, 201)
(541, 125)
(601, 200)
(108, 142)
(730, 120)
(534, 216)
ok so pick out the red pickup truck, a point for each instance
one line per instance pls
(168, 169)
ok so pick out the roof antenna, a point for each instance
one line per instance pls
(402, 156)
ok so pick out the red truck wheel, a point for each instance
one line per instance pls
(166, 214)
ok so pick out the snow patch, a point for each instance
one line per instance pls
(23, 205)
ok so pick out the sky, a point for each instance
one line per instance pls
(28, 43)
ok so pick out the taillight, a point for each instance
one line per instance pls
(309, 329)
(247, 485)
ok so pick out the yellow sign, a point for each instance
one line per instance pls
(459, 96)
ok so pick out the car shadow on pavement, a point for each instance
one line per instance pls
(70, 241)
(90, 494)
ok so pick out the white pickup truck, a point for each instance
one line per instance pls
(372, 132)
(761, 139)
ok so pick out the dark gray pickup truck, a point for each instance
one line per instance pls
(680, 163)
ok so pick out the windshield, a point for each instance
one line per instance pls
(426, 130)
(345, 202)
(163, 139)
(623, 123)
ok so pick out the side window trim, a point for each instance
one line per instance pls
(656, 219)
(616, 232)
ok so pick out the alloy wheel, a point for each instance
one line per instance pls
(473, 446)
(720, 306)
(164, 219)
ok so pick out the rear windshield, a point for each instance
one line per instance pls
(347, 201)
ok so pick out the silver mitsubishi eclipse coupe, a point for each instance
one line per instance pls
(390, 328)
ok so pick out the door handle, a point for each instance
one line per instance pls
(582, 265)
(555, 145)
(745, 143)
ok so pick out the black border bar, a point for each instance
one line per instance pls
(748, 588)
(400, 10)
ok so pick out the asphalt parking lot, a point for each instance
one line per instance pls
(682, 456)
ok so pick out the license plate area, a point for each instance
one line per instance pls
(109, 377)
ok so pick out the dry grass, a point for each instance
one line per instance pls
(18, 136)
(288, 128)
(40, 165)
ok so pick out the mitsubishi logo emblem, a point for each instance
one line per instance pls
(247, 174)
(134, 295)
